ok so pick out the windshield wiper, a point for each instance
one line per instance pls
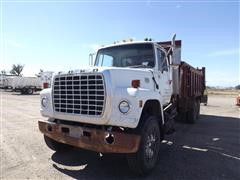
(140, 65)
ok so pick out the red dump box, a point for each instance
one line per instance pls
(191, 86)
(192, 81)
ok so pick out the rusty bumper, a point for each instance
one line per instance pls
(90, 139)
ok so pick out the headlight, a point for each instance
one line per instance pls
(44, 102)
(124, 107)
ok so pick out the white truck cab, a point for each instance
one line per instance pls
(116, 68)
(122, 104)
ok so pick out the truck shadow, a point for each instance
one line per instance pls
(207, 150)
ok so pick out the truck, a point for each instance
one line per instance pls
(27, 85)
(126, 103)
(5, 82)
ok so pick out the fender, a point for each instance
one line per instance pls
(133, 96)
(146, 95)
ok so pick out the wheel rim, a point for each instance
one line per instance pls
(30, 91)
(151, 145)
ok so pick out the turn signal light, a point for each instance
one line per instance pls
(135, 83)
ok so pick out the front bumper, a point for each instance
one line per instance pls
(90, 138)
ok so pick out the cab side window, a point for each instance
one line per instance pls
(162, 61)
(106, 60)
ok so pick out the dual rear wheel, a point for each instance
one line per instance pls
(194, 112)
(27, 91)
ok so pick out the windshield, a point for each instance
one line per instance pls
(133, 55)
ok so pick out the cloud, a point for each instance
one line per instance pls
(178, 6)
(224, 52)
(15, 44)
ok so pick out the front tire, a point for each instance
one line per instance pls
(145, 159)
(56, 146)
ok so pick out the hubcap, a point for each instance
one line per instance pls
(150, 145)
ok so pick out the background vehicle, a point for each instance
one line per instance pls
(27, 85)
(238, 100)
(126, 103)
(6, 82)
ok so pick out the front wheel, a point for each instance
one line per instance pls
(145, 159)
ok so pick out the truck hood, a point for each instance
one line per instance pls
(120, 77)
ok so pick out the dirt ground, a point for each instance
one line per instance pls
(209, 149)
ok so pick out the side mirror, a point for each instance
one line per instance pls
(91, 59)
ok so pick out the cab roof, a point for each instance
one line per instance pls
(129, 43)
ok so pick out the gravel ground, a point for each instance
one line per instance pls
(210, 149)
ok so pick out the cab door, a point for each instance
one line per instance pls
(164, 76)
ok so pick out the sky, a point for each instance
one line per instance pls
(59, 35)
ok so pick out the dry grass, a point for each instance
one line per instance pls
(223, 92)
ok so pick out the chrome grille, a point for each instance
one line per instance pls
(82, 94)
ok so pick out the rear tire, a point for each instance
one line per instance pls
(29, 91)
(56, 146)
(193, 114)
(145, 159)
(198, 108)
(23, 91)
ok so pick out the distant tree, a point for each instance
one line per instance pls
(237, 87)
(3, 72)
(17, 69)
(40, 73)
